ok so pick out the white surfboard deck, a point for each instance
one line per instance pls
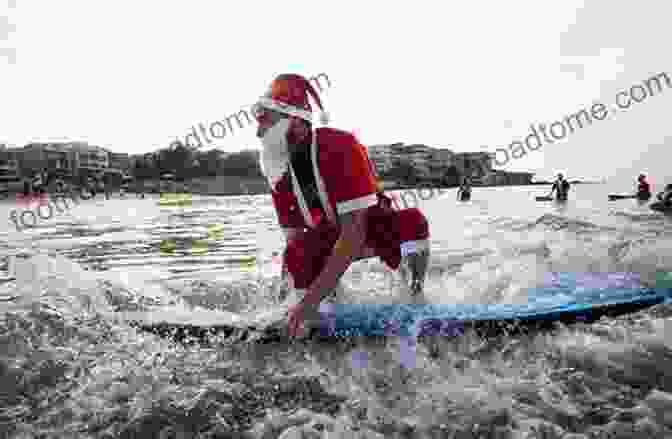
(181, 316)
(201, 317)
(273, 318)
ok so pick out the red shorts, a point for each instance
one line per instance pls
(390, 233)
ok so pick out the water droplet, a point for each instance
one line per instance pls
(359, 360)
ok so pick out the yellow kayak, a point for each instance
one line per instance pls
(216, 231)
(199, 247)
(168, 199)
(167, 247)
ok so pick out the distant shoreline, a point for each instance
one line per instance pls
(392, 186)
(223, 185)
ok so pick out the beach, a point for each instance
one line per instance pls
(72, 369)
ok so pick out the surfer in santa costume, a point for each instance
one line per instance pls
(328, 201)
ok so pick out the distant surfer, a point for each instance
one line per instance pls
(464, 192)
(561, 188)
(60, 185)
(38, 184)
(102, 187)
(27, 189)
(106, 183)
(328, 201)
(643, 189)
(90, 186)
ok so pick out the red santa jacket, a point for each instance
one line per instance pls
(344, 177)
(345, 181)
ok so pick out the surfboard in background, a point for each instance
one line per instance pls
(659, 206)
(621, 197)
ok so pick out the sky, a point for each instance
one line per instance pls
(469, 76)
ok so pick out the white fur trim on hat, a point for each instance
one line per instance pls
(281, 107)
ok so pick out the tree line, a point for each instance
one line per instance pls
(405, 173)
(186, 163)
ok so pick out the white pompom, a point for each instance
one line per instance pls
(324, 117)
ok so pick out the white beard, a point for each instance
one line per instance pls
(275, 154)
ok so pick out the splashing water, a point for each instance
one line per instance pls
(70, 367)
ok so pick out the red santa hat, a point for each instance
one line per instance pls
(288, 94)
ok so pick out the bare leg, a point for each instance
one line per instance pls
(415, 265)
(284, 282)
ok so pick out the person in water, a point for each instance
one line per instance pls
(561, 187)
(91, 186)
(328, 202)
(60, 185)
(464, 192)
(666, 196)
(37, 183)
(27, 189)
(643, 188)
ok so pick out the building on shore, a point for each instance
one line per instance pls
(56, 158)
(91, 160)
(76, 160)
(119, 165)
(427, 163)
(9, 165)
(120, 161)
(440, 166)
(382, 157)
(476, 165)
(436, 165)
(418, 157)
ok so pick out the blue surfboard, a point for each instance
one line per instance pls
(563, 297)
(566, 297)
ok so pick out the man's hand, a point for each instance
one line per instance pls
(296, 326)
(299, 314)
(350, 244)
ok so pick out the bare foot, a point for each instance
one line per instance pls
(416, 287)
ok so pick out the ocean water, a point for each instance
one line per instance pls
(70, 368)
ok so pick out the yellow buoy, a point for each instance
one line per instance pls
(199, 247)
(167, 246)
(216, 232)
(175, 199)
